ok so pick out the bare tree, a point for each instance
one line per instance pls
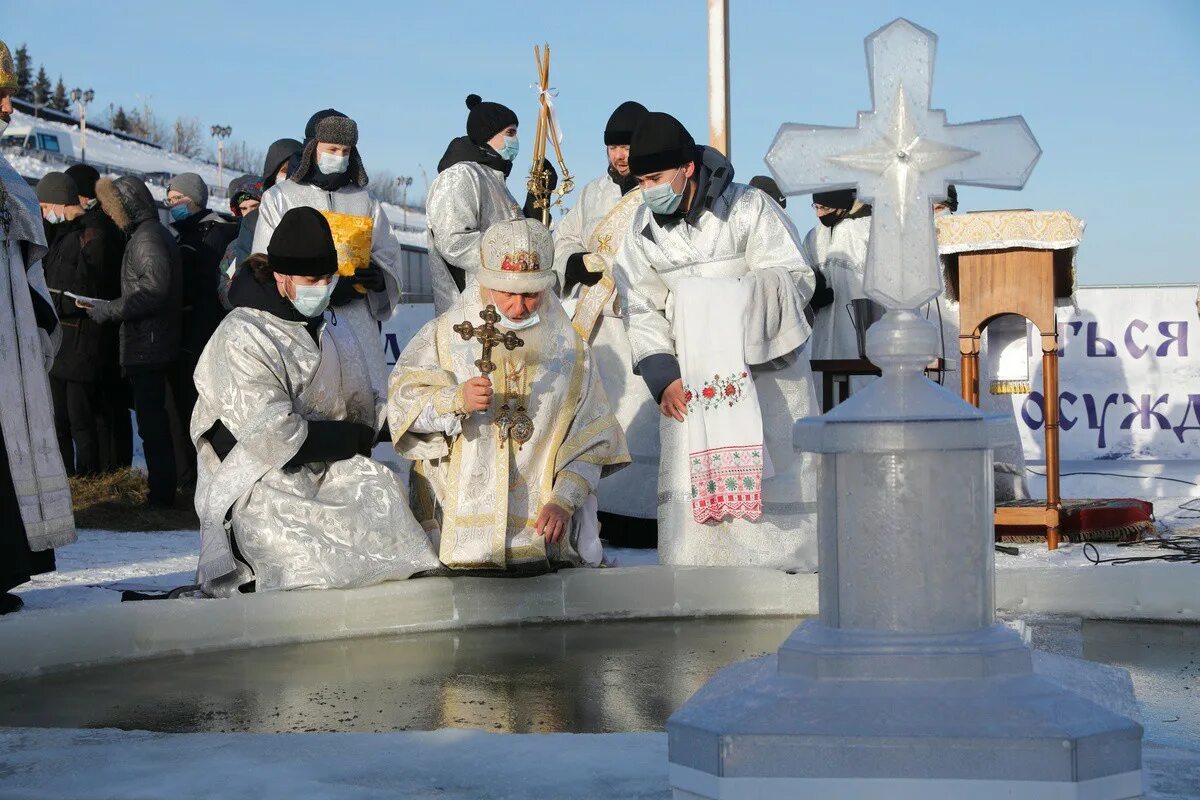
(240, 156)
(186, 138)
(383, 187)
(145, 124)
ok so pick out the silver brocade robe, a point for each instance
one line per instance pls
(333, 525)
(361, 316)
(596, 225)
(840, 254)
(26, 353)
(478, 496)
(463, 202)
(745, 223)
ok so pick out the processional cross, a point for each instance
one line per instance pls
(516, 424)
(900, 157)
(489, 337)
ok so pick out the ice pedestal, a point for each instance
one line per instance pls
(906, 686)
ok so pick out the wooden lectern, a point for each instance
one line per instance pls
(1013, 262)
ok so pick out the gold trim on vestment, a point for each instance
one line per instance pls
(611, 228)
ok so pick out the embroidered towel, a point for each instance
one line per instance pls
(724, 422)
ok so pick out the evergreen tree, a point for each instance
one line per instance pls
(120, 122)
(24, 74)
(41, 87)
(59, 100)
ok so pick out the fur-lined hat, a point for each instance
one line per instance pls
(518, 257)
(333, 127)
(127, 201)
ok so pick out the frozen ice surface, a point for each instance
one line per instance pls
(901, 157)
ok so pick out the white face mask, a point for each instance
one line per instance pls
(3, 125)
(53, 217)
(517, 324)
(311, 301)
(331, 164)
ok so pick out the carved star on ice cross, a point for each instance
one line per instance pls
(901, 157)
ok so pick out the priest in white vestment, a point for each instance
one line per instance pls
(585, 244)
(287, 494)
(837, 249)
(506, 468)
(713, 287)
(35, 500)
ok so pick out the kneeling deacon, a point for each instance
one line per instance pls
(506, 467)
(287, 494)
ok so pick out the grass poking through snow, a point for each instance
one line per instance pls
(116, 502)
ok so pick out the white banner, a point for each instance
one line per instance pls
(1129, 377)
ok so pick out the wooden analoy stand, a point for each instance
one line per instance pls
(1025, 282)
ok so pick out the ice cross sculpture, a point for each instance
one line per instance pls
(901, 157)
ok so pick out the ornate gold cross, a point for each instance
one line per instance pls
(489, 337)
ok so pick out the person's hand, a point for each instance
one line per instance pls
(370, 277)
(674, 401)
(477, 394)
(101, 312)
(552, 522)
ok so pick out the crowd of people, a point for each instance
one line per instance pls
(631, 372)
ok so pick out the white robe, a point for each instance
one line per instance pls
(477, 495)
(742, 223)
(464, 200)
(631, 491)
(26, 354)
(324, 525)
(361, 316)
(840, 255)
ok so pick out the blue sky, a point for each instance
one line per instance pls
(1109, 89)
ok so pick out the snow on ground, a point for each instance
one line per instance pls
(448, 764)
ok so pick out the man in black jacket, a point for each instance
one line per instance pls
(203, 236)
(74, 384)
(103, 249)
(149, 310)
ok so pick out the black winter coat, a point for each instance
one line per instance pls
(104, 248)
(203, 238)
(67, 267)
(150, 306)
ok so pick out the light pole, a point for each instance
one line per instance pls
(404, 181)
(81, 99)
(221, 133)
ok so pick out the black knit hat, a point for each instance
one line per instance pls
(302, 244)
(487, 119)
(85, 177)
(839, 198)
(57, 188)
(660, 142)
(766, 183)
(624, 122)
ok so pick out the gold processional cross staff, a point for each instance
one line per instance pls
(517, 425)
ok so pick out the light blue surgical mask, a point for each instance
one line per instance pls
(663, 199)
(179, 212)
(311, 301)
(511, 147)
(518, 324)
(331, 164)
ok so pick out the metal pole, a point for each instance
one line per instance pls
(83, 133)
(220, 162)
(718, 75)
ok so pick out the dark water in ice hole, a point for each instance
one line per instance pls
(586, 678)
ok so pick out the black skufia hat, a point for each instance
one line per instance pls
(624, 122)
(839, 198)
(487, 119)
(660, 142)
(302, 244)
(767, 184)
